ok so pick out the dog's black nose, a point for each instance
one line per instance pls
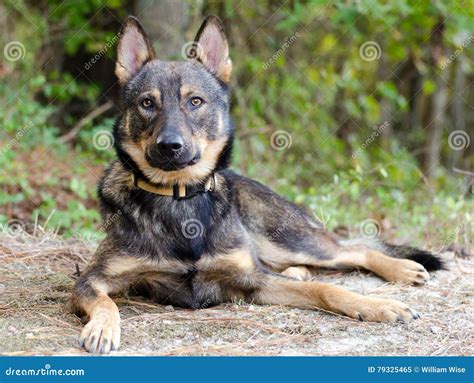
(170, 144)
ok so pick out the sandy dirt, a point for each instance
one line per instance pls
(37, 275)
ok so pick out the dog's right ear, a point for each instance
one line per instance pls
(212, 50)
(134, 50)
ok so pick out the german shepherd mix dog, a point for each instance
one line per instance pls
(185, 231)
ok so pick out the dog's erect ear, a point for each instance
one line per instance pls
(134, 50)
(212, 50)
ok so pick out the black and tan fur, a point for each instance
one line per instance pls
(251, 244)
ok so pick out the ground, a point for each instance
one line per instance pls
(37, 272)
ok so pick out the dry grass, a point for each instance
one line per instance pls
(37, 275)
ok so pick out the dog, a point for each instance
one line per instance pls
(183, 230)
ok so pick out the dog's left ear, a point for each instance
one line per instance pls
(212, 50)
(133, 51)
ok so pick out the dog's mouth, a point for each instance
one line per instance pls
(173, 164)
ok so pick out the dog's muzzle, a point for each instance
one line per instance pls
(170, 153)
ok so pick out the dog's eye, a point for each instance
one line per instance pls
(196, 101)
(146, 103)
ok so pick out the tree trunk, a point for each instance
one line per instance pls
(434, 121)
(165, 22)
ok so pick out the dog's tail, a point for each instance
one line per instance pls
(430, 261)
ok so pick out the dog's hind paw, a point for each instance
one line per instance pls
(300, 273)
(102, 334)
(403, 271)
(384, 310)
(409, 272)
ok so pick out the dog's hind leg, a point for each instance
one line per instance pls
(391, 269)
(312, 294)
(240, 276)
(336, 256)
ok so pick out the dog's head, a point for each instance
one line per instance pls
(175, 127)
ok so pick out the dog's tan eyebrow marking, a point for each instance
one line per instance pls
(156, 94)
(186, 90)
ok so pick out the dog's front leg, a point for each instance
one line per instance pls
(109, 272)
(102, 332)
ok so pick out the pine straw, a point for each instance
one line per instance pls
(37, 273)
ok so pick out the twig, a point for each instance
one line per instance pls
(83, 121)
(58, 321)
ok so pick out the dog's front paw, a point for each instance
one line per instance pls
(102, 334)
(383, 310)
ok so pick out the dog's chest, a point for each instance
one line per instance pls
(180, 229)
